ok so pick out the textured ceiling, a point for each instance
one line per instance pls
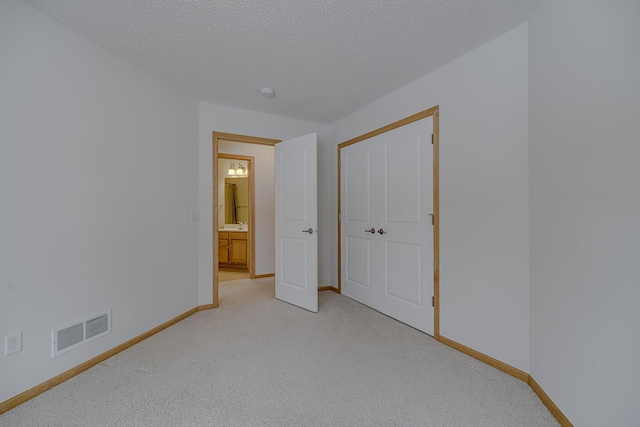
(324, 59)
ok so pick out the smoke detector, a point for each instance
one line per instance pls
(267, 92)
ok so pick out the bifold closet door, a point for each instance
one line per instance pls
(386, 223)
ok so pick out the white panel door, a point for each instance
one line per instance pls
(297, 221)
(387, 231)
(360, 213)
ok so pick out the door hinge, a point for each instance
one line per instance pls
(338, 164)
(432, 138)
(339, 217)
(433, 301)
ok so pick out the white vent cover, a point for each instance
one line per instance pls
(96, 326)
(68, 337)
(72, 335)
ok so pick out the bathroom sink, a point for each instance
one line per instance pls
(234, 227)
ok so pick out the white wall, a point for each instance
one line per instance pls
(265, 200)
(483, 190)
(585, 199)
(244, 122)
(98, 175)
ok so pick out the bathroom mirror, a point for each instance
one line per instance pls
(236, 200)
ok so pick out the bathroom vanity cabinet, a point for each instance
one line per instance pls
(232, 249)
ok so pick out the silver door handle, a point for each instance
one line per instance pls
(372, 231)
(310, 231)
(381, 231)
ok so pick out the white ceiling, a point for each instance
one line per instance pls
(324, 59)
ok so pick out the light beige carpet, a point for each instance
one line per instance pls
(228, 275)
(257, 361)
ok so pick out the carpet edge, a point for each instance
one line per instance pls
(514, 372)
(59, 379)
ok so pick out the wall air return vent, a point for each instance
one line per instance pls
(72, 335)
(97, 326)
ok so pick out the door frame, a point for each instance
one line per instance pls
(216, 138)
(431, 112)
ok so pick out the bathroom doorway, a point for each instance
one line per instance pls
(260, 231)
(236, 216)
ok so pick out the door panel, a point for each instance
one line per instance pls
(398, 199)
(294, 257)
(357, 195)
(357, 241)
(404, 275)
(358, 256)
(403, 179)
(297, 222)
(293, 177)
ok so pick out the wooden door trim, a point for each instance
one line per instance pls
(414, 118)
(431, 112)
(216, 138)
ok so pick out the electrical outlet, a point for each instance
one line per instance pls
(13, 343)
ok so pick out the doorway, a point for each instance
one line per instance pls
(236, 216)
(220, 139)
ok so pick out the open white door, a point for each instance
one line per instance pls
(297, 221)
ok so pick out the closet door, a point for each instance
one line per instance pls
(360, 214)
(387, 231)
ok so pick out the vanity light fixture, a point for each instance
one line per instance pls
(240, 171)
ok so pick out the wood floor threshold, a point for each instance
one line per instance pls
(514, 372)
(328, 288)
(261, 276)
(59, 379)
